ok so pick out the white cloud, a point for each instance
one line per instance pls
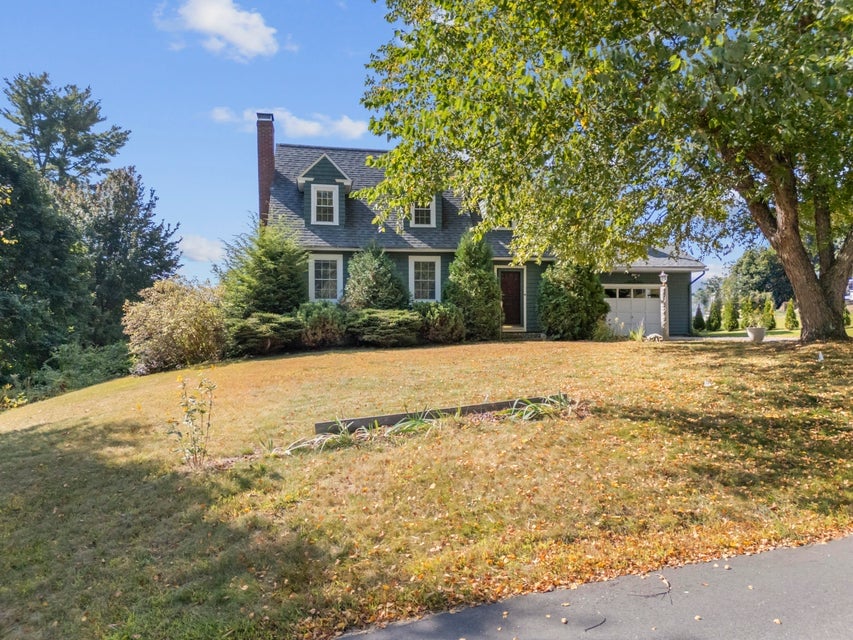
(201, 249)
(223, 114)
(225, 27)
(291, 126)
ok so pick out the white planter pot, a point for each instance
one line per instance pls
(756, 334)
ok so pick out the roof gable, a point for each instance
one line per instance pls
(324, 171)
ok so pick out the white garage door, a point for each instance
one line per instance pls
(631, 307)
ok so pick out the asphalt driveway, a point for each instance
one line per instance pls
(799, 593)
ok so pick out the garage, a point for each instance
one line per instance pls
(632, 307)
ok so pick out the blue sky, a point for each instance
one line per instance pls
(187, 78)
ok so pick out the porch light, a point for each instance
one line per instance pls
(663, 277)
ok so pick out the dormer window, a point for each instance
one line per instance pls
(423, 214)
(324, 204)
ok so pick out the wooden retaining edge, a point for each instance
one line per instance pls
(390, 420)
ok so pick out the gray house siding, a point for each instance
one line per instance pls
(534, 277)
(679, 304)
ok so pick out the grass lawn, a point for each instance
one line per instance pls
(683, 452)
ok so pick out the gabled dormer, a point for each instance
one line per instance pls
(426, 215)
(325, 187)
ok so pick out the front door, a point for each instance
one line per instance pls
(511, 296)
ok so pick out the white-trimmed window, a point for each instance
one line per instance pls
(325, 277)
(423, 214)
(425, 278)
(324, 204)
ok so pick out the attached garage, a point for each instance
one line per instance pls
(633, 307)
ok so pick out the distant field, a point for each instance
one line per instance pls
(678, 452)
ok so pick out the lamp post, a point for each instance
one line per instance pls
(664, 306)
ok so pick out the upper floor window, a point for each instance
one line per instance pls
(324, 204)
(423, 214)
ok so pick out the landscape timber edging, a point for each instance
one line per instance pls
(390, 420)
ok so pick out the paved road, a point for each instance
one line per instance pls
(797, 594)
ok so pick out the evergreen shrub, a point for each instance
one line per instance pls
(791, 320)
(443, 322)
(473, 287)
(699, 319)
(265, 333)
(373, 282)
(715, 315)
(768, 316)
(324, 324)
(729, 316)
(385, 327)
(571, 302)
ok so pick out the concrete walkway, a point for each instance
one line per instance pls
(802, 593)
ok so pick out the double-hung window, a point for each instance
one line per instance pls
(324, 204)
(325, 277)
(425, 278)
(423, 214)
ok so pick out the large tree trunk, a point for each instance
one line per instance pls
(820, 297)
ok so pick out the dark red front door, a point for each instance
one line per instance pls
(511, 296)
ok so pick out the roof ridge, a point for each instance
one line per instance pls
(328, 148)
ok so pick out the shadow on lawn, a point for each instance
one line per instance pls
(101, 548)
(786, 419)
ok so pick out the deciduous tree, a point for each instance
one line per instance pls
(601, 128)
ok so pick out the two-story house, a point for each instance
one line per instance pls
(308, 189)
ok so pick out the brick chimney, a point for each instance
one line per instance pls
(266, 163)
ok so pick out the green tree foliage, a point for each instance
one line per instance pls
(601, 128)
(759, 270)
(768, 315)
(373, 282)
(265, 271)
(711, 288)
(571, 302)
(791, 321)
(715, 314)
(72, 366)
(699, 319)
(55, 127)
(474, 288)
(127, 247)
(43, 301)
(175, 323)
(729, 316)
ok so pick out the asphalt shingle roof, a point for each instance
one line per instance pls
(358, 229)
